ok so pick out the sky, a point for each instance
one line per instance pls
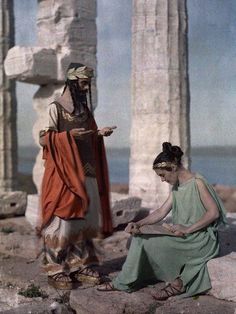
(212, 70)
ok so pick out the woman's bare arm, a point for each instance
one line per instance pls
(209, 203)
(158, 214)
(211, 214)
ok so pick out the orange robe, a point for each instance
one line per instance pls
(63, 189)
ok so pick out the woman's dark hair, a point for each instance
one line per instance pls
(169, 153)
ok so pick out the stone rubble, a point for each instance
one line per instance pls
(12, 203)
(19, 268)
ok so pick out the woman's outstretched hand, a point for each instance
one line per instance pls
(132, 228)
(178, 230)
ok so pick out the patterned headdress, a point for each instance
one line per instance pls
(77, 70)
(164, 164)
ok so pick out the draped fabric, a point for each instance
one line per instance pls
(63, 189)
(161, 257)
(75, 193)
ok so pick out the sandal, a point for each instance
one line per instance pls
(62, 281)
(87, 274)
(165, 293)
(107, 286)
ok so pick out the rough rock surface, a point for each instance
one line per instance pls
(228, 196)
(27, 64)
(18, 269)
(12, 203)
(141, 302)
(125, 210)
(222, 272)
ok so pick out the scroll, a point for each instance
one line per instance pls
(159, 229)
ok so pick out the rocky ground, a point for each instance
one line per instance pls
(24, 289)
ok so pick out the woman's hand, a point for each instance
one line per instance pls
(178, 230)
(80, 132)
(107, 131)
(132, 228)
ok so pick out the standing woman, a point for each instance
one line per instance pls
(75, 187)
(182, 259)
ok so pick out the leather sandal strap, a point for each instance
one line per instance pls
(59, 276)
(88, 271)
(168, 292)
(171, 290)
(107, 286)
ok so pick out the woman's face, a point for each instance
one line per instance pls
(170, 177)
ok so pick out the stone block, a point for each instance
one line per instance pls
(12, 203)
(125, 210)
(58, 17)
(90, 301)
(222, 272)
(35, 65)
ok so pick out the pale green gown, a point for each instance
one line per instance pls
(162, 257)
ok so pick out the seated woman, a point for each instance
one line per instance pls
(182, 259)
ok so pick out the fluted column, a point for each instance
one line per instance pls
(160, 91)
(8, 133)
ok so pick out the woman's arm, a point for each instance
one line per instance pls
(158, 214)
(155, 216)
(209, 203)
(212, 212)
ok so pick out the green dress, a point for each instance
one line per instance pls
(162, 257)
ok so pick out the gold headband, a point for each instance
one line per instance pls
(164, 164)
(81, 72)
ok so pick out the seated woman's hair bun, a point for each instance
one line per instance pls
(174, 152)
(166, 147)
(169, 153)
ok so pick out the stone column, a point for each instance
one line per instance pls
(66, 32)
(160, 91)
(8, 135)
(11, 202)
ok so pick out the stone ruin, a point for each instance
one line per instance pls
(66, 30)
(12, 202)
(160, 92)
(160, 101)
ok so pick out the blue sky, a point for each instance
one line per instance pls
(212, 69)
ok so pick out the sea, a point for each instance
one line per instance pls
(217, 164)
